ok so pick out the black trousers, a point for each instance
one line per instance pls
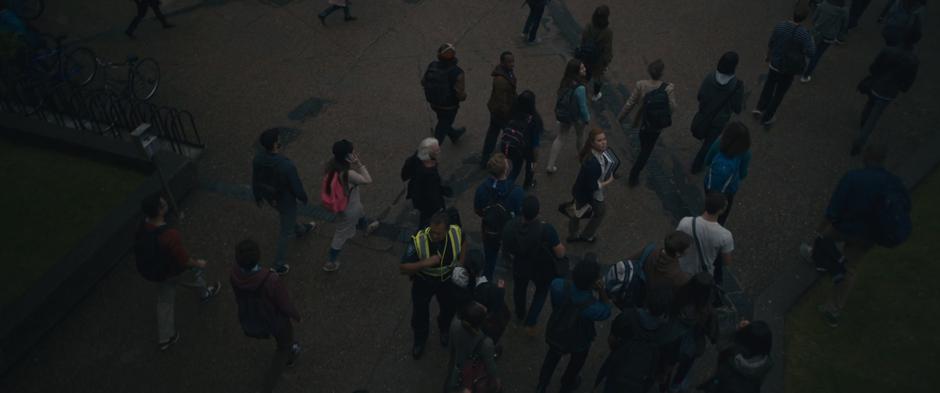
(492, 135)
(647, 143)
(856, 10)
(422, 290)
(520, 291)
(699, 160)
(142, 6)
(445, 124)
(570, 377)
(775, 87)
(532, 22)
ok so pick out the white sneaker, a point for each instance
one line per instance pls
(372, 227)
(597, 96)
(806, 252)
(770, 122)
(805, 78)
(757, 113)
(331, 266)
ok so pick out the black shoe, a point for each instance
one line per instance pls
(350, 18)
(417, 350)
(457, 133)
(322, 19)
(445, 339)
(281, 270)
(166, 344)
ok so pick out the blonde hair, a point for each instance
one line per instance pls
(496, 166)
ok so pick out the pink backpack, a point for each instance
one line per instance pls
(333, 194)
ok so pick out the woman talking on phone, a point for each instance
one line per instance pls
(352, 174)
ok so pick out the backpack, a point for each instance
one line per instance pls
(513, 140)
(626, 280)
(565, 328)
(439, 84)
(792, 62)
(153, 263)
(657, 114)
(264, 184)
(634, 362)
(892, 215)
(333, 193)
(722, 174)
(495, 215)
(473, 374)
(566, 106)
(253, 311)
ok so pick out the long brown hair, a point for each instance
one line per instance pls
(572, 75)
(588, 144)
(735, 139)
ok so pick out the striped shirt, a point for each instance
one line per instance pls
(782, 35)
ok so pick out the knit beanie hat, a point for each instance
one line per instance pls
(728, 63)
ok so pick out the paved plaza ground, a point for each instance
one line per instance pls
(241, 66)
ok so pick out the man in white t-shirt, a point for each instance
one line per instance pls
(713, 239)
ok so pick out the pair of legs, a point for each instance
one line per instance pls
(599, 209)
(422, 290)
(346, 224)
(874, 108)
(532, 22)
(492, 135)
(142, 6)
(289, 228)
(569, 380)
(710, 138)
(595, 74)
(445, 125)
(557, 144)
(166, 301)
(854, 248)
(775, 87)
(283, 355)
(856, 9)
(490, 255)
(520, 293)
(821, 47)
(647, 143)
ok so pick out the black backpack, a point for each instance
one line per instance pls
(153, 262)
(439, 84)
(657, 114)
(633, 363)
(588, 52)
(793, 62)
(265, 184)
(513, 139)
(565, 329)
(495, 215)
(254, 310)
(566, 106)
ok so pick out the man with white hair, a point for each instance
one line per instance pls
(424, 182)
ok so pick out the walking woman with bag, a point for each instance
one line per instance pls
(720, 96)
(351, 174)
(727, 161)
(595, 175)
(571, 109)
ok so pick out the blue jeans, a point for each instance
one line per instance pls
(289, 228)
(813, 61)
(533, 21)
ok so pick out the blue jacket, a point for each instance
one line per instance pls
(509, 193)
(744, 160)
(289, 188)
(850, 208)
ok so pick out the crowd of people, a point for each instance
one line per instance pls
(662, 299)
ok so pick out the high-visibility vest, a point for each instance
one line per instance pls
(423, 249)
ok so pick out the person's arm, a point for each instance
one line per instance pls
(481, 198)
(460, 87)
(607, 43)
(173, 242)
(745, 163)
(550, 237)
(297, 188)
(411, 264)
(600, 309)
(726, 250)
(737, 100)
(359, 176)
(282, 299)
(712, 151)
(580, 94)
(726, 258)
(631, 102)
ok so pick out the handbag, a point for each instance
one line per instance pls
(700, 123)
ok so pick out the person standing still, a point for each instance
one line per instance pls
(593, 178)
(500, 103)
(444, 90)
(536, 10)
(787, 41)
(353, 175)
(596, 49)
(650, 119)
(142, 6)
(720, 95)
(334, 6)
(571, 109)
(274, 180)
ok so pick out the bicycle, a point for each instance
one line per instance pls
(57, 62)
(143, 77)
(26, 9)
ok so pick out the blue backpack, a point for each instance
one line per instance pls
(892, 214)
(723, 174)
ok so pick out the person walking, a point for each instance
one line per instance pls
(695, 321)
(856, 9)
(472, 345)
(429, 261)
(264, 309)
(596, 50)
(162, 258)
(829, 25)
(892, 72)
(352, 174)
(662, 266)
(495, 201)
(274, 180)
(595, 175)
(570, 329)
(655, 113)
(500, 103)
(532, 22)
(525, 116)
(728, 160)
(712, 244)
(869, 206)
(571, 109)
(902, 18)
(787, 52)
(334, 6)
(745, 365)
(425, 188)
(444, 90)
(531, 246)
(475, 287)
(719, 97)
(142, 6)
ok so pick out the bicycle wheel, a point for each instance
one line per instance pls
(79, 66)
(30, 9)
(144, 79)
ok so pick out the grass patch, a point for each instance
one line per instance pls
(887, 339)
(51, 200)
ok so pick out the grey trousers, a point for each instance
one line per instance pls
(166, 301)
